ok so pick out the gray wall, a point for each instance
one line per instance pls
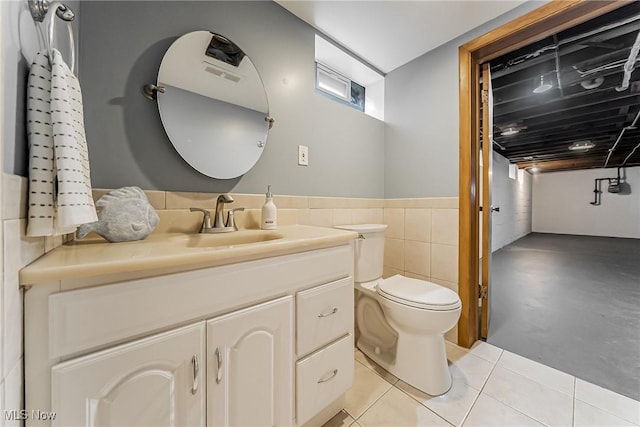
(421, 115)
(121, 48)
(18, 49)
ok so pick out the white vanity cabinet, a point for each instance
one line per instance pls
(155, 381)
(251, 343)
(325, 346)
(249, 365)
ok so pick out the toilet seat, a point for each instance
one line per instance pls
(418, 294)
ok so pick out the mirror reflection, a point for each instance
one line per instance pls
(214, 107)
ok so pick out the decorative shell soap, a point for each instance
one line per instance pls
(124, 215)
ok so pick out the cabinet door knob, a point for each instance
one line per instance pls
(332, 312)
(329, 377)
(196, 372)
(219, 365)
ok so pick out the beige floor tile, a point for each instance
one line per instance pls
(397, 409)
(538, 372)
(587, 415)
(486, 351)
(489, 412)
(367, 388)
(453, 406)
(362, 358)
(614, 403)
(468, 367)
(341, 419)
(540, 402)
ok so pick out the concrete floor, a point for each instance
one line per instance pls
(572, 303)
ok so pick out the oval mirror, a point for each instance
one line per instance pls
(214, 107)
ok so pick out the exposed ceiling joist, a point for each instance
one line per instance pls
(590, 105)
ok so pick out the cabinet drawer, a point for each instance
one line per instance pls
(322, 377)
(323, 314)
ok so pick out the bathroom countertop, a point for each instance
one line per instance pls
(174, 252)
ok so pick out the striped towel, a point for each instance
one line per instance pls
(59, 180)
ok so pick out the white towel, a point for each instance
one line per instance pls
(59, 180)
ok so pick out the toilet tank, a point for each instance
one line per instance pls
(369, 251)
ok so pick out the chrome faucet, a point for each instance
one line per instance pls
(219, 218)
(219, 225)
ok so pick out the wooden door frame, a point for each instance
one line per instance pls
(548, 19)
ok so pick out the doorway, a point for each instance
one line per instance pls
(567, 295)
(534, 26)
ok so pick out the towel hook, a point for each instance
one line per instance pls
(39, 10)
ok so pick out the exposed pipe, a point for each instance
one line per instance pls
(630, 64)
(557, 57)
(614, 187)
(604, 67)
(630, 154)
(578, 37)
(600, 30)
(624, 129)
(498, 144)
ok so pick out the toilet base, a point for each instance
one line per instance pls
(420, 361)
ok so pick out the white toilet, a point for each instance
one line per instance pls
(402, 321)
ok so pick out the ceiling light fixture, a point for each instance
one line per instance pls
(534, 169)
(509, 131)
(528, 158)
(581, 146)
(592, 83)
(542, 87)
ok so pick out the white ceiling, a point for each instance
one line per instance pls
(390, 33)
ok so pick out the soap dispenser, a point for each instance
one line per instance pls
(269, 213)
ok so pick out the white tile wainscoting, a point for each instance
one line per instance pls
(422, 241)
(18, 251)
(491, 387)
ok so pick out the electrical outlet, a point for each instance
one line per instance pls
(303, 155)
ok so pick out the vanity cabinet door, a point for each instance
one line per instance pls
(155, 381)
(250, 366)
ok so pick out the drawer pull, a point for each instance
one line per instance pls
(196, 371)
(218, 365)
(331, 376)
(332, 312)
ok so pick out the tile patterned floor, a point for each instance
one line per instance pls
(491, 387)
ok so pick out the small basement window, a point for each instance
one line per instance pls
(342, 77)
(338, 86)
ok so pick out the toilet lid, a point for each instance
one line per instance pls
(418, 293)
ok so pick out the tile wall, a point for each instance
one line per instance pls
(422, 241)
(18, 251)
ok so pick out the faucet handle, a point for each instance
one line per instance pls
(206, 221)
(231, 222)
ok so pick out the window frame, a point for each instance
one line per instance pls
(322, 69)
